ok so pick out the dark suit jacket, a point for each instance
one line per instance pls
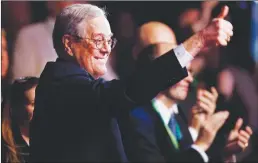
(74, 113)
(146, 139)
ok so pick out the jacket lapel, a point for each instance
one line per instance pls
(183, 123)
(164, 133)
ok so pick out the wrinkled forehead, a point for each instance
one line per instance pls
(98, 26)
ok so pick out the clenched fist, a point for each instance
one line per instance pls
(218, 32)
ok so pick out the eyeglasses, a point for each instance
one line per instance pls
(100, 43)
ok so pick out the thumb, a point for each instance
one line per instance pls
(238, 124)
(214, 92)
(224, 12)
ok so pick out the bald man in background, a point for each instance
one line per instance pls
(151, 124)
(152, 33)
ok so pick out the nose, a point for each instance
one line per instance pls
(106, 48)
(189, 78)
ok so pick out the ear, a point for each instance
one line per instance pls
(67, 41)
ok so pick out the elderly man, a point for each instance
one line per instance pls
(157, 128)
(74, 109)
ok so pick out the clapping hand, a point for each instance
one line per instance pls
(237, 139)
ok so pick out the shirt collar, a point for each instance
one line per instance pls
(165, 112)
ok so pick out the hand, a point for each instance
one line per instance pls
(218, 32)
(205, 106)
(206, 101)
(210, 128)
(237, 139)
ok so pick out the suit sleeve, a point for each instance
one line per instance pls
(139, 139)
(142, 86)
(155, 77)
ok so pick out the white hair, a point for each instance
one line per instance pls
(73, 21)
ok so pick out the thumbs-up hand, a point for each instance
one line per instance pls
(218, 32)
(237, 139)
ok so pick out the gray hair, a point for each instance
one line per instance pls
(72, 21)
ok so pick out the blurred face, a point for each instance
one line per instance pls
(92, 52)
(29, 102)
(189, 17)
(179, 91)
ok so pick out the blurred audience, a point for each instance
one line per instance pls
(125, 31)
(230, 70)
(15, 15)
(16, 118)
(34, 46)
(237, 87)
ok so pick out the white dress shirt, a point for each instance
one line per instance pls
(33, 49)
(165, 114)
(182, 55)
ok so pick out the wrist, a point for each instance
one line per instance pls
(195, 126)
(194, 44)
(201, 145)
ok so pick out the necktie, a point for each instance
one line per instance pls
(174, 127)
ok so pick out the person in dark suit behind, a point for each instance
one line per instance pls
(74, 108)
(159, 128)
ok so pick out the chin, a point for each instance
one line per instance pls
(182, 97)
(102, 72)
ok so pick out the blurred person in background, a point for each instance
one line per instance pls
(4, 55)
(16, 118)
(125, 27)
(4, 66)
(236, 84)
(34, 46)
